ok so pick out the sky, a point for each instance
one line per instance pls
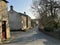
(21, 6)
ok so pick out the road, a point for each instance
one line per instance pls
(32, 37)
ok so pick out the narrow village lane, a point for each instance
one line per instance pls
(32, 37)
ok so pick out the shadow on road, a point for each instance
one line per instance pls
(46, 40)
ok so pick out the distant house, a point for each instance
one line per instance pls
(17, 20)
(4, 24)
(35, 22)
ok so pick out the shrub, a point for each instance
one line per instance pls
(48, 29)
(51, 26)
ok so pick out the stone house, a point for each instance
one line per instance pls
(26, 21)
(4, 25)
(17, 21)
(14, 19)
(23, 21)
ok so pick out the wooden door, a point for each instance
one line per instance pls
(3, 29)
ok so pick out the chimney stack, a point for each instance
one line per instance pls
(25, 13)
(11, 8)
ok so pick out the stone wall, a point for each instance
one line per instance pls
(23, 22)
(4, 17)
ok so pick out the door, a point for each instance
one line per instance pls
(3, 30)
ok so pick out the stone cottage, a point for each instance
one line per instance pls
(29, 22)
(23, 21)
(14, 19)
(26, 21)
(17, 21)
(4, 25)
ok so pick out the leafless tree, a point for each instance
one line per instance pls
(47, 9)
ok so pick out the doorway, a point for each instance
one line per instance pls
(3, 30)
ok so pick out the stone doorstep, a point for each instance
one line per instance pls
(8, 40)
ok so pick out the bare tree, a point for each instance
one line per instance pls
(47, 10)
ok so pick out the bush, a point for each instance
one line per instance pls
(48, 29)
(59, 25)
(51, 26)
